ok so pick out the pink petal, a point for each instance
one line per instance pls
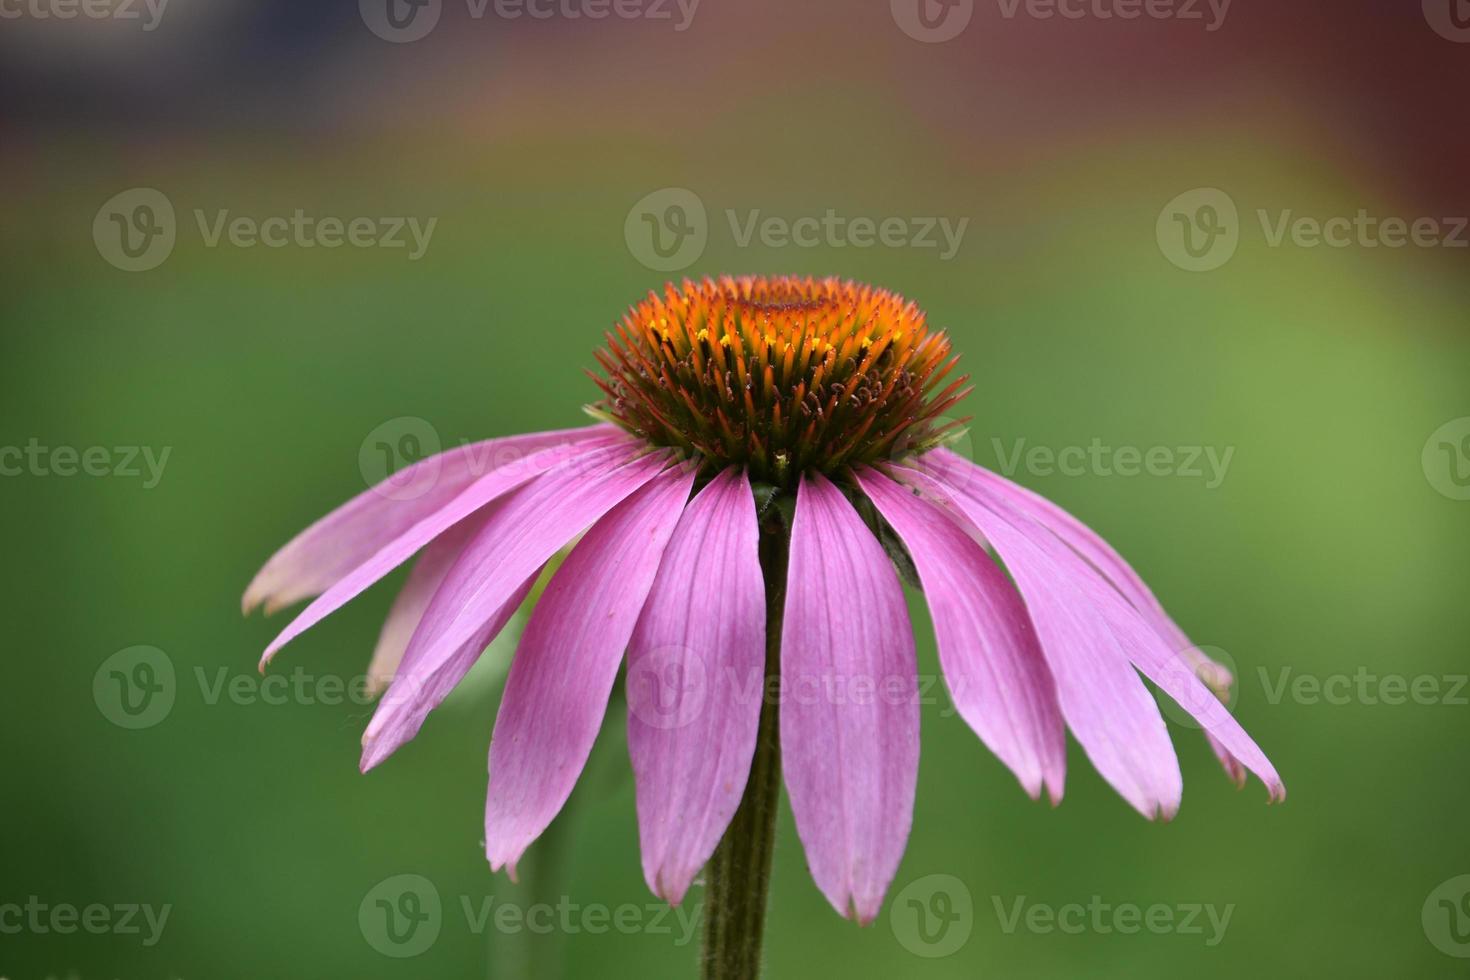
(481, 590)
(988, 649)
(849, 702)
(1090, 545)
(325, 552)
(1103, 700)
(429, 569)
(696, 673)
(1176, 672)
(487, 488)
(568, 659)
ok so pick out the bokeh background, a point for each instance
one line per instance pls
(1331, 551)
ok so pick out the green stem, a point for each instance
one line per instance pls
(737, 879)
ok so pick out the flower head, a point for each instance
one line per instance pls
(780, 375)
(832, 394)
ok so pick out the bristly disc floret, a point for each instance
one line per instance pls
(781, 374)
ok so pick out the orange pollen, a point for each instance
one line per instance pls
(781, 375)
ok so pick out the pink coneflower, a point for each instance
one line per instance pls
(770, 449)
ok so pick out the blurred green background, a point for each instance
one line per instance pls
(1332, 547)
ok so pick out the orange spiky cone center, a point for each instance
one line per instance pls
(781, 375)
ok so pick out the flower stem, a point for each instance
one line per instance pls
(737, 879)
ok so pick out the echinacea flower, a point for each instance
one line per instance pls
(778, 437)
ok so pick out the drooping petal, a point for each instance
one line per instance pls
(1103, 699)
(408, 606)
(525, 530)
(483, 491)
(339, 542)
(567, 661)
(1110, 564)
(696, 673)
(849, 702)
(992, 662)
(1179, 671)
